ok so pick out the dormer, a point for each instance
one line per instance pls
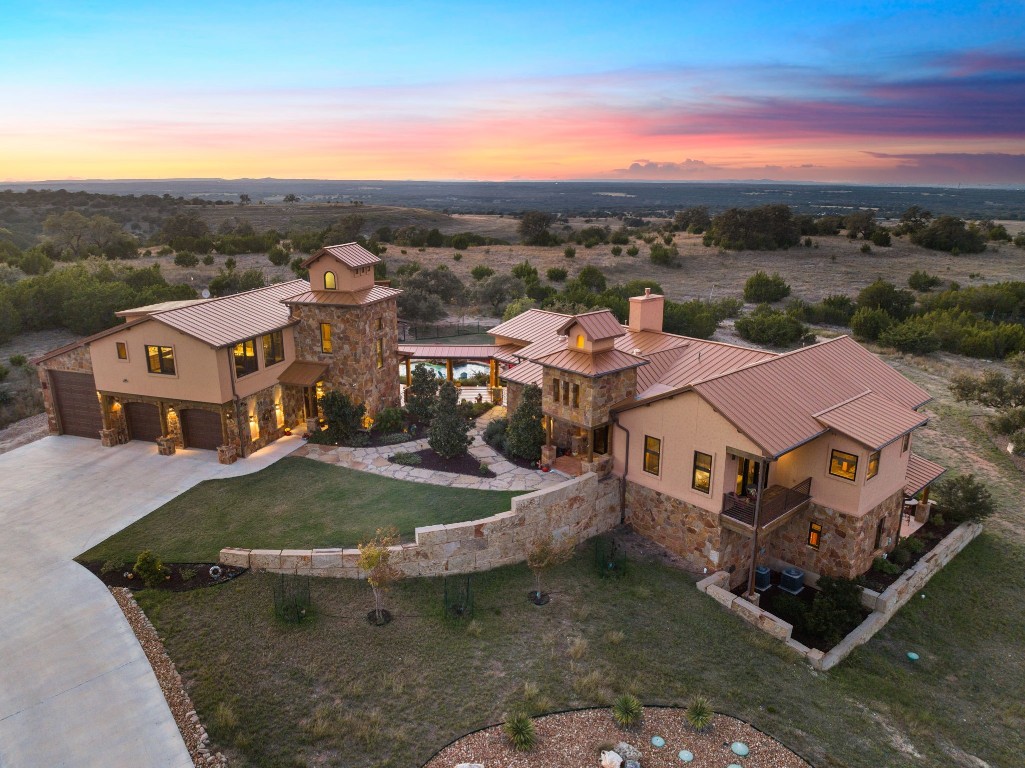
(346, 267)
(592, 332)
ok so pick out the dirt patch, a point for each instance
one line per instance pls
(23, 432)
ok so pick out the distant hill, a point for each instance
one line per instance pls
(576, 197)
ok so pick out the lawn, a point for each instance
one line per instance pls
(295, 503)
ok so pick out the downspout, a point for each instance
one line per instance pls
(626, 470)
(762, 472)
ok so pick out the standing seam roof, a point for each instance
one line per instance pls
(872, 420)
(530, 326)
(352, 255)
(598, 325)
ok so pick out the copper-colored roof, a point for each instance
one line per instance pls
(598, 325)
(458, 352)
(591, 364)
(649, 341)
(530, 326)
(872, 420)
(524, 373)
(774, 402)
(352, 255)
(702, 359)
(551, 343)
(920, 473)
(344, 298)
(230, 319)
(83, 342)
(302, 373)
(658, 364)
(164, 305)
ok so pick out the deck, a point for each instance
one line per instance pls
(779, 504)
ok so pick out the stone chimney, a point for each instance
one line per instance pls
(646, 311)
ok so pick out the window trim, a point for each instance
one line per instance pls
(161, 359)
(379, 350)
(333, 280)
(694, 473)
(246, 370)
(869, 474)
(832, 455)
(326, 344)
(268, 361)
(814, 534)
(656, 452)
(119, 347)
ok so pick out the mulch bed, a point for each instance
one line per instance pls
(460, 465)
(375, 440)
(577, 739)
(930, 535)
(176, 582)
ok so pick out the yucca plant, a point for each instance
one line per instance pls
(520, 730)
(699, 713)
(627, 710)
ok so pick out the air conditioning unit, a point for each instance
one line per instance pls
(792, 580)
(763, 578)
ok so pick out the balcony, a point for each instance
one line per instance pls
(779, 504)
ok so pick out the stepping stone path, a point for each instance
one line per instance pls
(509, 477)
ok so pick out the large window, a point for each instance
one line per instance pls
(122, 350)
(273, 348)
(814, 534)
(873, 465)
(701, 479)
(329, 281)
(380, 353)
(245, 358)
(652, 454)
(843, 465)
(325, 337)
(160, 360)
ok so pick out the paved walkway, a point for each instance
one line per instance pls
(76, 689)
(508, 476)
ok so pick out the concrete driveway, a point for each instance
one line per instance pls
(75, 686)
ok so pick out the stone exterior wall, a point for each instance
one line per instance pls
(514, 393)
(261, 405)
(77, 360)
(596, 396)
(847, 544)
(352, 364)
(572, 512)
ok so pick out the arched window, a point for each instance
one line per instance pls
(329, 281)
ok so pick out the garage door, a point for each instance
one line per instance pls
(77, 407)
(201, 429)
(143, 421)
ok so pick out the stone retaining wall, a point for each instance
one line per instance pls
(572, 511)
(883, 605)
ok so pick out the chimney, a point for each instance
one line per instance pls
(646, 312)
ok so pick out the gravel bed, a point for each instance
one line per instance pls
(575, 739)
(170, 682)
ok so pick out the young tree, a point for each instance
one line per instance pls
(964, 498)
(518, 307)
(449, 436)
(545, 553)
(343, 416)
(375, 561)
(525, 433)
(422, 393)
(761, 288)
(534, 228)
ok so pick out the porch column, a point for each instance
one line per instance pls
(162, 410)
(448, 369)
(763, 471)
(409, 371)
(105, 402)
(494, 373)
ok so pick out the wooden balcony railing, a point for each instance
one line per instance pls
(778, 502)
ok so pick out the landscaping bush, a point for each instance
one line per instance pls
(343, 416)
(406, 458)
(769, 326)
(448, 435)
(885, 566)
(421, 393)
(699, 713)
(390, 420)
(394, 439)
(627, 710)
(150, 569)
(519, 729)
(762, 288)
(900, 556)
(525, 435)
(964, 498)
(792, 610)
(836, 609)
(495, 434)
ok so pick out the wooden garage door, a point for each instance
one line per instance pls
(77, 407)
(143, 421)
(201, 429)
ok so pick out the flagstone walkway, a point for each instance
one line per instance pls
(509, 477)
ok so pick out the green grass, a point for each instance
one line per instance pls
(295, 503)
(338, 691)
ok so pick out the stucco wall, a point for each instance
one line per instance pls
(572, 511)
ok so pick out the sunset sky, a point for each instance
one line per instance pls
(868, 92)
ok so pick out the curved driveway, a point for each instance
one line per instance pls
(75, 686)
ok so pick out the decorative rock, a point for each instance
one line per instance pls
(913, 656)
(611, 759)
(631, 764)
(733, 765)
(739, 748)
(658, 742)
(628, 751)
(686, 755)
(469, 765)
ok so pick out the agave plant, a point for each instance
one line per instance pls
(699, 713)
(520, 730)
(627, 710)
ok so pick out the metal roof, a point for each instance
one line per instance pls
(598, 325)
(702, 359)
(524, 373)
(542, 347)
(230, 319)
(774, 401)
(658, 364)
(302, 373)
(458, 352)
(530, 326)
(164, 305)
(872, 420)
(919, 474)
(344, 298)
(352, 255)
(591, 364)
(649, 342)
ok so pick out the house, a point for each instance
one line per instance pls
(803, 456)
(232, 373)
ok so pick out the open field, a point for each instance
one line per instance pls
(294, 503)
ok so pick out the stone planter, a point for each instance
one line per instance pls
(165, 446)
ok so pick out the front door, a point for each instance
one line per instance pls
(747, 476)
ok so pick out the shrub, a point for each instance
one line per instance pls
(406, 458)
(964, 498)
(762, 288)
(866, 248)
(4, 371)
(186, 259)
(18, 360)
(187, 574)
(882, 565)
(900, 556)
(937, 520)
(884, 295)
(836, 610)
(770, 326)
(112, 565)
(570, 252)
(449, 430)
(519, 729)
(791, 609)
(664, 256)
(633, 250)
(922, 281)
(389, 420)
(394, 439)
(949, 233)
(593, 279)
(421, 393)
(556, 274)
(524, 434)
(230, 264)
(344, 417)
(913, 336)
(495, 434)
(868, 323)
(915, 546)
(627, 710)
(699, 713)
(525, 271)
(208, 260)
(481, 272)
(356, 440)
(149, 568)
(277, 256)
(881, 238)
(617, 250)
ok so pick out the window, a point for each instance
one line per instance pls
(873, 465)
(652, 454)
(702, 477)
(122, 350)
(576, 395)
(580, 341)
(814, 534)
(380, 353)
(273, 348)
(556, 388)
(843, 465)
(565, 393)
(906, 443)
(329, 281)
(380, 323)
(245, 358)
(325, 337)
(160, 360)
